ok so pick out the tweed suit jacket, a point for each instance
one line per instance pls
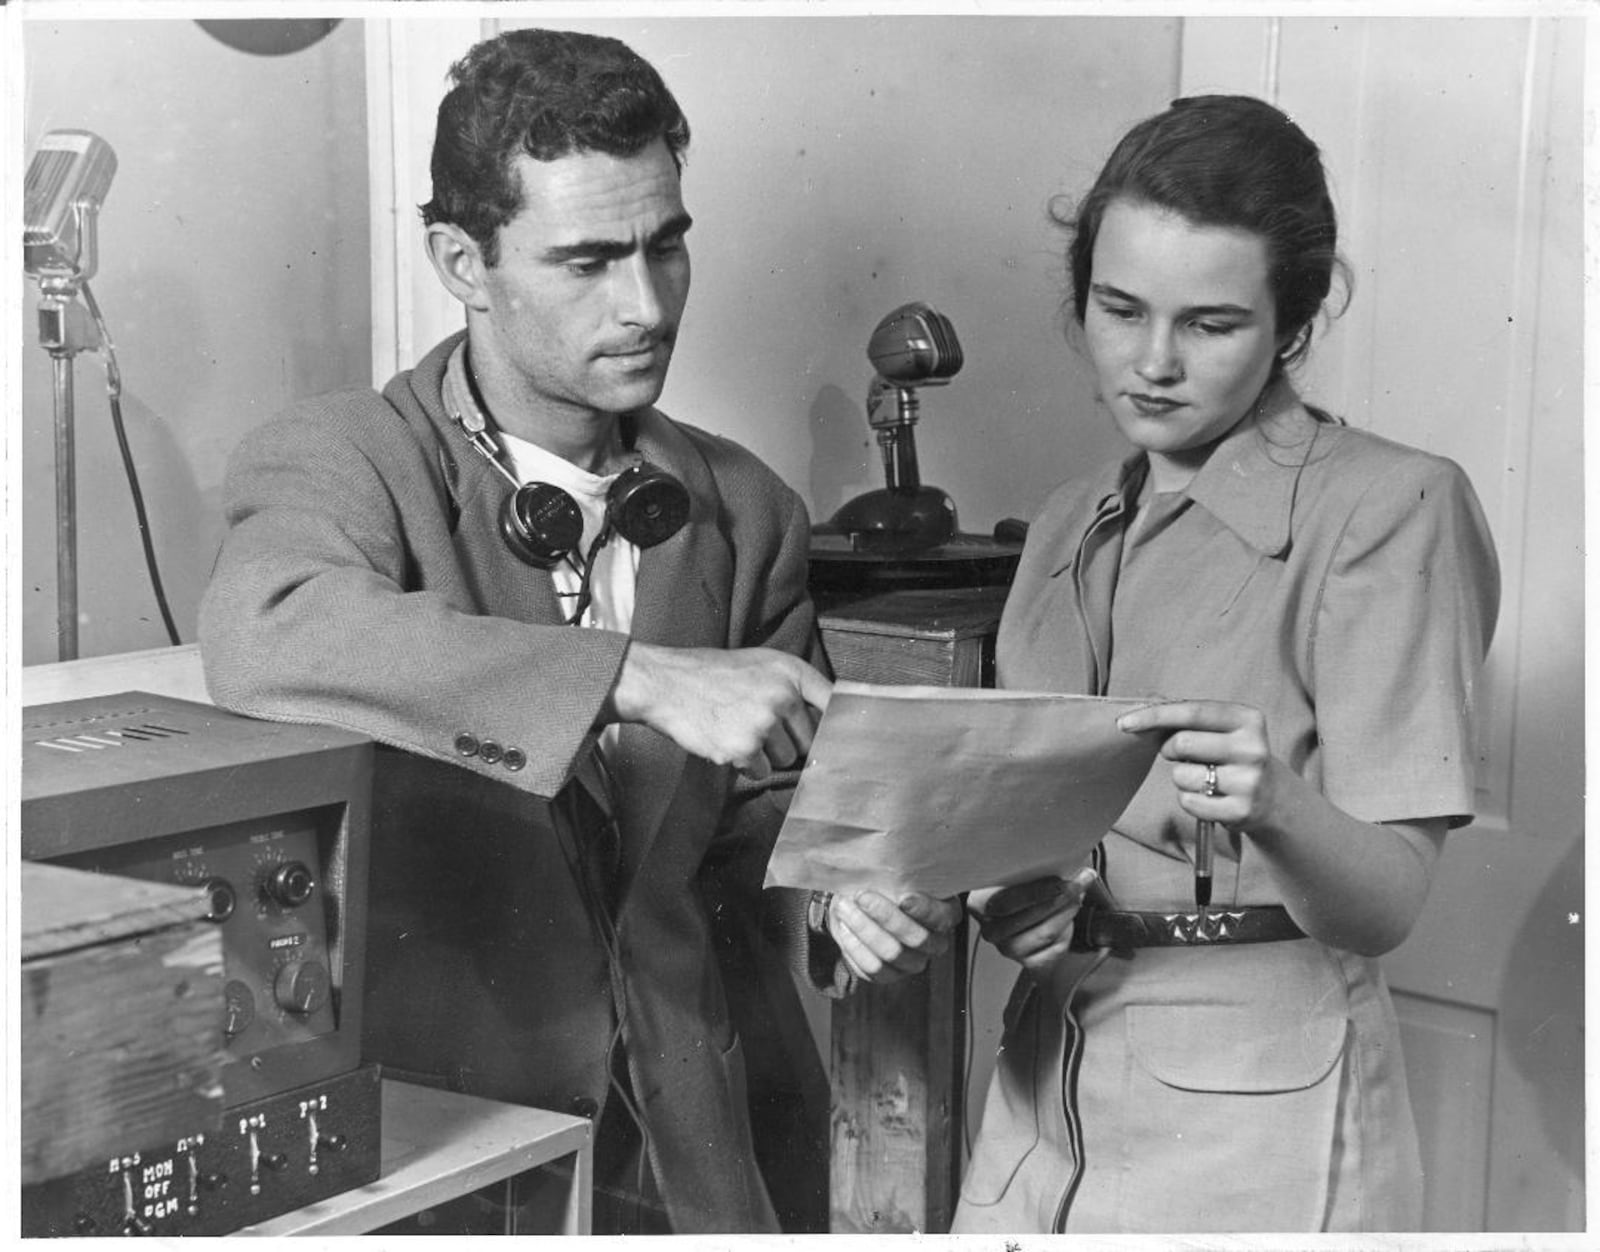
(364, 583)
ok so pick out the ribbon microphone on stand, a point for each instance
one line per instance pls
(905, 534)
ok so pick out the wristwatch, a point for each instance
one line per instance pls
(817, 912)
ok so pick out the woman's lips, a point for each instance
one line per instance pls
(1153, 406)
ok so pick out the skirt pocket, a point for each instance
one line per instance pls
(1232, 1117)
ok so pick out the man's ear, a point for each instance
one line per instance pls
(459, 264)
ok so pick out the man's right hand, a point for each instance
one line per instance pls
(753, 708)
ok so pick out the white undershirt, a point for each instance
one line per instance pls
(616, 565)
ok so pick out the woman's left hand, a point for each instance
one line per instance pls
(1222, 766)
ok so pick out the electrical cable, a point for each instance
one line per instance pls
(114, 392)
(593, 896)
(584, 595)
(973, 944)
(614, 952)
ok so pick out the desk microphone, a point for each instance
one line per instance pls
(913, 346)
(66, 184)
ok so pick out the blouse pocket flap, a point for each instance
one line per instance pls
(1223, 1048)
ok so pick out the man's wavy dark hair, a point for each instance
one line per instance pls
(548, 94)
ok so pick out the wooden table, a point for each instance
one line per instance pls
(898, 1053)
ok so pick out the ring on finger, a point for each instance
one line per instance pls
(1211, 780)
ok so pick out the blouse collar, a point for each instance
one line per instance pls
(1248, 482)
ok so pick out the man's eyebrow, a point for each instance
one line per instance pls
(1199, 310)
(614, 249)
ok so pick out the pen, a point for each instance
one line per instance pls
(1202, 864)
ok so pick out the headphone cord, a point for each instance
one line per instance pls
(585, 591)
(592, 896)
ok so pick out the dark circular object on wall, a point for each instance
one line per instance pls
(269, 37)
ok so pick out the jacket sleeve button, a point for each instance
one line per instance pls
(515, 758)
(467, 744)
(585, 1106)
(490, 751)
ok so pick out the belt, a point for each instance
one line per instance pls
(1097, 928)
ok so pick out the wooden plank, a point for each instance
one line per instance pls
(122, 1012)
(65, 909)
(958, 613)
(896, 1123)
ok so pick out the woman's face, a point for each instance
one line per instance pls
(1181, 329)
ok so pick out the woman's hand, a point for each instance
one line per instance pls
(1349, 883)
(1031, 922)
(1222, 767)
(882, 941)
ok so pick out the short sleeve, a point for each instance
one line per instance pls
(1406, 615)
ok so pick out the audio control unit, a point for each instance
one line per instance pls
(267, 822)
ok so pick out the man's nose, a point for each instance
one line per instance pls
(638, 293)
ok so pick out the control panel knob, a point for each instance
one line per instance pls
(291, 884)
(332, 1143)
(275, 1161)
(222, 898)
(239, 1007)
(302, 986)
(135, 1225)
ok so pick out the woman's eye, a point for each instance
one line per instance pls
(1119, 312)
(1214, 328)
(585, 269)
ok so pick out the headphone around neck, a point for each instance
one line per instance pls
(540, 522)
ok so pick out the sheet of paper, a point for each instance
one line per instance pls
(947, 789)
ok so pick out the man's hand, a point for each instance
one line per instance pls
(1031, 922)
(753, 708)
(882, 941)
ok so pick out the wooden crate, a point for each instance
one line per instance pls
(122, 1016)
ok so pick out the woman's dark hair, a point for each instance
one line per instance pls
(548, 94)
(1230, 161)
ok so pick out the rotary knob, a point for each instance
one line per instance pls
(290, 884)
(221, 899)
(302, 986)
(239, 1007)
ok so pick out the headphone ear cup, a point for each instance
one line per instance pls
(541, 523)
(647, 505)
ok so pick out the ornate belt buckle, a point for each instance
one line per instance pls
(1206, 926)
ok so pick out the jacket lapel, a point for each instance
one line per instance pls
(676, 604)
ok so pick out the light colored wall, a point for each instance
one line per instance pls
(233, 277)
(841, 166)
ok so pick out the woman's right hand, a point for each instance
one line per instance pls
(1031, 922)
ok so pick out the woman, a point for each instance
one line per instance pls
(1307, 607)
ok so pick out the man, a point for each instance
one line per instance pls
(581, 631)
